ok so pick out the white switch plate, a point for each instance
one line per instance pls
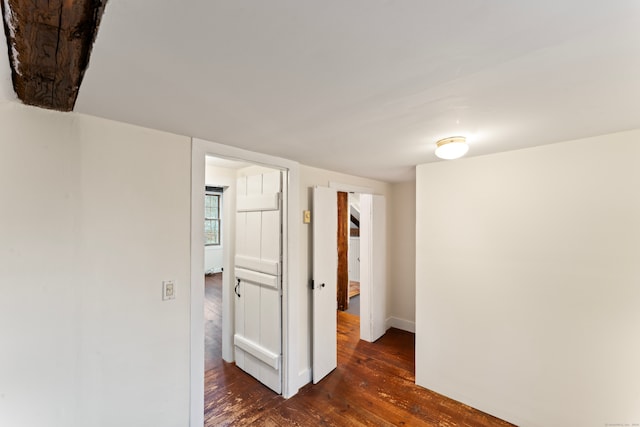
(168, 290)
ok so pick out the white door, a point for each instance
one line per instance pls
(354, 259)
(373, 271)
(325, 268)
(258, 280)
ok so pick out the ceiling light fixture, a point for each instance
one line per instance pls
(452, 148)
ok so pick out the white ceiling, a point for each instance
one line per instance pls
(367, 86)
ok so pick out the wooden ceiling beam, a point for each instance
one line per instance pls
(49, 45)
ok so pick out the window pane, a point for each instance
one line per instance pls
(214, 207)
(208, 232)
(212, 219)
(211, 206)
(211, 232)
(216, 232)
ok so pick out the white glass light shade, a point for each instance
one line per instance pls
(452, 148)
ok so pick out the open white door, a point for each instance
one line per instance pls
(258, 278)
(325, 267)
(373, 270)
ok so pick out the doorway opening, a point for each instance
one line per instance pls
(222, 281)
(327, 274)
(350, 240)
(242, 311)
(368, 212)
(219, 179)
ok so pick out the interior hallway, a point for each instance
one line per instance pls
(373, 384)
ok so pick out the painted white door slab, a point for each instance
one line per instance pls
(373, 270)
(325, 267)
(258, 279)
(354, 259)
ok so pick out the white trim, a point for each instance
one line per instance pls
(402, 324)
(378, 265)
(350, 188)
(227, 245)
(196, 367)
(290, 274)
(366, 269)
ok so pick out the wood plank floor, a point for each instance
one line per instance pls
(354, 288)
(212, 321)
(372, 386)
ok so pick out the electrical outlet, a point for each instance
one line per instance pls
(168, 290)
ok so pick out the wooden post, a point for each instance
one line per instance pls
(343, 251)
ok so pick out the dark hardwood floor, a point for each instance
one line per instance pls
(372, 386)
(212, 321)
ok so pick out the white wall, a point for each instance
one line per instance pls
(93, 216)
(213, 255)
(402, 242)
(310, 177)
(217, 176)
(528, 282)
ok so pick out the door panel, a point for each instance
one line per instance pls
(325, 256)
(258, 333)
(373, 271)
(354, 259)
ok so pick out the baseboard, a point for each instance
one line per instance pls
(403, 324)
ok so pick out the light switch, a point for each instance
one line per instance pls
(168, 290)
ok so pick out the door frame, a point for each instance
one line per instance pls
(228, 247)
(200, 149)
(366, 305)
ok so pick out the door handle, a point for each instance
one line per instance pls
(313, 285)
(236, 288)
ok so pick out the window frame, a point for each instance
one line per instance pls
(213, 192)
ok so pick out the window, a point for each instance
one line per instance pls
(211, 218)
